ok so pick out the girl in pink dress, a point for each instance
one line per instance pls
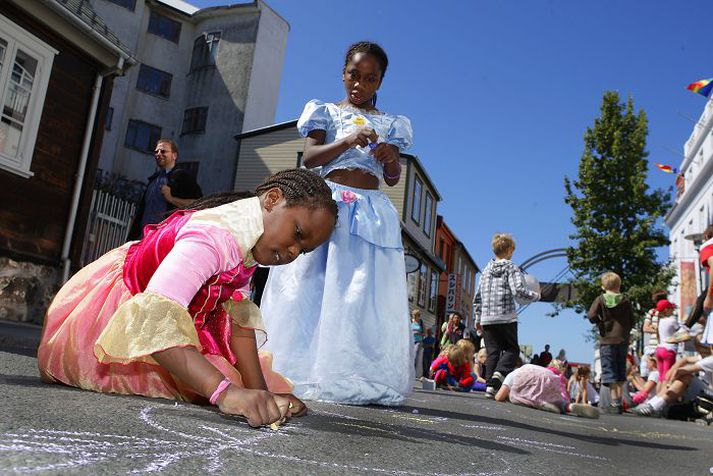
(168, 317)
(542, 388)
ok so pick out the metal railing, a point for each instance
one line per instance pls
(108, 226)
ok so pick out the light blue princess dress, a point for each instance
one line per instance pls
(337, 318)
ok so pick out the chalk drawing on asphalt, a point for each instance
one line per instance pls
(211, 444)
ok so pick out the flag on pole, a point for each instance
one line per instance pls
(666, 168)
(702, 87)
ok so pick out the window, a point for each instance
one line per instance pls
(427, 214)
(422, 278)
(109, 117)
(194, 120)
(164, 27)
(412, 286)
(25, 66)
(434, 292)
(416, 203)
(142, 136)
(154, 81)
(130, 4)
(205, 50)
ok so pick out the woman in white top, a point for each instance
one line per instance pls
(665, 352)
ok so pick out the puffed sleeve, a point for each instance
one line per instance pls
(158, 319)
(315, 116)
(400, 133)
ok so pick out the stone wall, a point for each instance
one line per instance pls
(26, 290)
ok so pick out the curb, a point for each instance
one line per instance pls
(19, 335)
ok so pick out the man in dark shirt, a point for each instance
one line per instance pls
(545, 356)
(169, 188)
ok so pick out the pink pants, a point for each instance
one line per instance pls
(665, 358)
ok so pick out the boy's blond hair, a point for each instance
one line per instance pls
(468, 348)
(611, 281)
(502, 243)
(457, 356)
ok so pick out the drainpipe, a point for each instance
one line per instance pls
(79, 182)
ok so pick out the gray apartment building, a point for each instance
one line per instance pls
(202, 75)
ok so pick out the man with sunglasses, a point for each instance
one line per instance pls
(169, 188)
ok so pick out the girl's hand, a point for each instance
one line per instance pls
(361, 137)
(260, 407)
(386, 153)
(298, 407)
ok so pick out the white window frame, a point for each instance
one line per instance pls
(17, 37)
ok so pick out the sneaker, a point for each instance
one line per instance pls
(681, 335)
(497, 381)
(584, 410)
(614, 410)
(490, 392)
(645, 409)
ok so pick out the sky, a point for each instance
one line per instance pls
(500, 95)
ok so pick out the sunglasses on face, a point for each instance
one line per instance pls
(161, 151)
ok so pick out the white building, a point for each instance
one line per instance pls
(693, 210)
(202, 76)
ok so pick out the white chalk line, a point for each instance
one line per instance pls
(549, 447)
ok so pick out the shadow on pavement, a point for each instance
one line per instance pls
(608, 441)
(354, 427)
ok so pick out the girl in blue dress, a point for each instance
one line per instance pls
(338, 317)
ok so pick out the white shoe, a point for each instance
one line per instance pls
(550, 407)
(489, 392)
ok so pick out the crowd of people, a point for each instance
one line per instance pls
(667, 379)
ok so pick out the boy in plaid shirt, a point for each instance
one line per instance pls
(496, 313)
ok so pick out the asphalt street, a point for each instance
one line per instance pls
(51, 429)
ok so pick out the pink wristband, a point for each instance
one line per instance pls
(222, 387)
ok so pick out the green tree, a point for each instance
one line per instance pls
(614, 211)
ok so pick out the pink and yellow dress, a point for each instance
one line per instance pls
(184, 284)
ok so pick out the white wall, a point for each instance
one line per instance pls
(267, 65)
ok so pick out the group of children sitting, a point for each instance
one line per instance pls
(546, 388)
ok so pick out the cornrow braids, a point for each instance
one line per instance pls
(218, 199)
(301, 187)
(369, 48)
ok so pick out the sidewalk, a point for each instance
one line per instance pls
(19, 336)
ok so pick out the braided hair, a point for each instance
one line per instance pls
(300, 187)
(369, 48)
